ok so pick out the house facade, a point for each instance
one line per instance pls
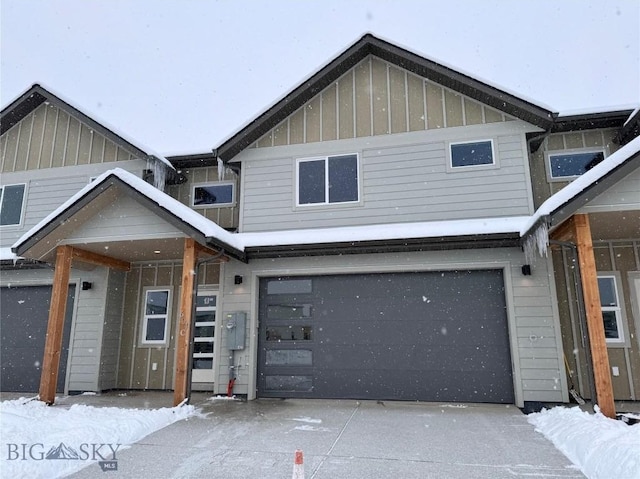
(363, 238)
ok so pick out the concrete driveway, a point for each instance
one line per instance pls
(343, 439)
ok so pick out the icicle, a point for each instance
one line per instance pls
(221, 170)
(538, 240)
(159, 171)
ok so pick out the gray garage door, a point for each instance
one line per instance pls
(435, 336)
(23, 328)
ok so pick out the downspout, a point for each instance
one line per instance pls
(194, 297)
(582, 321)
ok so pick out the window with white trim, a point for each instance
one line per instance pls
(471, 153)
(156, 316)
(611, 312)
(212, 195)
(328, 180)
(11, 201)
(564, 165)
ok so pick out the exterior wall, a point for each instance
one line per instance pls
(377, 98)
(111, 330)
(46, 189)
(225, 216)
(86, 341)
(542, 187)
(49, 137)
(621, 258)
(531, 309)
(135, 368)
(624, 195)
(403, 178)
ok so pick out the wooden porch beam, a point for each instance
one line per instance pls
(595, 324)
(185, 323)
(55, 325)
(210, 252)
(100, 260)
(564, 232)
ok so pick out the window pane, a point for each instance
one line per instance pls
(11, 209)
(289, 383)
(610, 325)
(471, 154)
(208, 316)
(289, 286)
(289, 357)
(202, 363)
(288, 311)
(311, 182)
(289, 333)
(157, 302)
(574, 164)
(343, 178)
(213, 195)
(202, 347)
(155, 329)
(607, 292)
(204, 331)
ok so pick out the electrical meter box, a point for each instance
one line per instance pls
(236, 330)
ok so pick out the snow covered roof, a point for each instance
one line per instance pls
(580, 185)
(37, 94)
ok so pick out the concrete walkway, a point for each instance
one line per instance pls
(340, 439)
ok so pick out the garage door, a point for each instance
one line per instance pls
(23, 328)
(434, 336)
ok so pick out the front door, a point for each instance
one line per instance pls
(204, 327)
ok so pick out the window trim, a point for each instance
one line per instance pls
(618, 310)
(487, 166)
(214, 205)
(327, 203)
(569, 151)
(22, 204)
(144, 316)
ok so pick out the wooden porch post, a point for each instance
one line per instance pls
(55, 326)
(595, 324)
(185, 323)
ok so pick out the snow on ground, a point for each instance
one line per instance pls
(602, 448)
(39, 441)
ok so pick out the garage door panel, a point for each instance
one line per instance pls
(415, 336)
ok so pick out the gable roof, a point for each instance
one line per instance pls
(31, 99)
(580, 191)
(371, 45)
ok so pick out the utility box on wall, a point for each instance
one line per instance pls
(236, 330)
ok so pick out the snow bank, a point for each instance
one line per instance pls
(78, 430)
(602, 448)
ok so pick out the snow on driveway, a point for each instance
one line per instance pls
(602, 448)
(39, 441)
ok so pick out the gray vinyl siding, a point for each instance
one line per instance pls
(624, 195)
(48, 189)
(534, 332)
(403, 182)
(111, 331)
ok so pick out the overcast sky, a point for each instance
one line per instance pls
(181, 76)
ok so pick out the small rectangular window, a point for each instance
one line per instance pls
(475, 153)
(572, 164)
(156, 316)
(213, 195)
(11, 201)
(611, 312)
(329, 180)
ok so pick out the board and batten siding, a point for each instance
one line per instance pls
(403, 178)
(378, 98)
(534, 331)
(592, 139)
(48, 189)
(49, 137)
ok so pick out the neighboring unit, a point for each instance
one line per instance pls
(373, 235)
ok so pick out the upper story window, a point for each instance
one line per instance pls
(472, 153)
(565, 165)
(328, 180)
(156, 319)
(212, 195)
(611, 312)
(11, 201)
